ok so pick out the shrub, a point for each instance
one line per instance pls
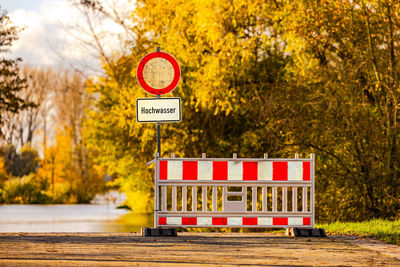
(25, 190)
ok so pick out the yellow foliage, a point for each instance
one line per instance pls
(139, 201)
(263, 76)
(3, 173)
(53, 168)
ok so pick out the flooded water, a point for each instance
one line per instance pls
(70, 218)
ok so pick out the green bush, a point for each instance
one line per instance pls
(19, 164)
(25, 190)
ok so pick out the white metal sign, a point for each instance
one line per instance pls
(167, 109)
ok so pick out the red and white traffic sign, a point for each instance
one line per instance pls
(158, 73)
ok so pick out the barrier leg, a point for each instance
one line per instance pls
(146, 231)
(301, 232)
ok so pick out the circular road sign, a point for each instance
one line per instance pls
(158, 73)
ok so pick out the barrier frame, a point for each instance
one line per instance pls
(282, 217)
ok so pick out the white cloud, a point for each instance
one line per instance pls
(58, 35)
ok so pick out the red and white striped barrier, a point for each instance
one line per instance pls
(235, 170)
(234, 192)
(235, 221)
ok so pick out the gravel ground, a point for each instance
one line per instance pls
(203, 249)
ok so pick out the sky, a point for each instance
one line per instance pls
(11, 5)
(51, 38)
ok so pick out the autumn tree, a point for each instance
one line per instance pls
(11, 83)
(229, 70)
(70, 160)
(21, 128)
(343, 102)
(67, 160)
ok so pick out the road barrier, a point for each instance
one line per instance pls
(234, 192)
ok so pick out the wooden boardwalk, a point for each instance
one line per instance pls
(202, 249)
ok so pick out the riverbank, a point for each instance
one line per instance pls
(70, 218)
(229, 249)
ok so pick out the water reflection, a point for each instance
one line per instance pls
(70, 218)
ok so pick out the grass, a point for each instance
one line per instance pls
(388, 231)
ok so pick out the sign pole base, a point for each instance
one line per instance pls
(147, 231)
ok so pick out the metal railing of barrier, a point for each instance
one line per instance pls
(234, 192)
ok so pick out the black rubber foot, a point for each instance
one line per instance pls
(300, 232)
(158, 231)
